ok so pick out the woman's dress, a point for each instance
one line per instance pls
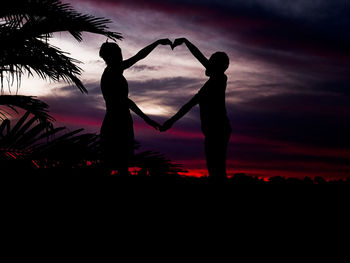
(117, 134)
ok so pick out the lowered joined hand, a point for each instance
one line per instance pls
(166, 126)
(154, 124)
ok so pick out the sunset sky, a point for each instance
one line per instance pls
(288, 93)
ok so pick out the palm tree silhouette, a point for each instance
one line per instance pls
(33, 142)
(28, 147)
(25, 28)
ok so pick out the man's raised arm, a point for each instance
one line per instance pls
(193, 49)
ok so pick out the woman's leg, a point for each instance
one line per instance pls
(123, 170)
(125, 153)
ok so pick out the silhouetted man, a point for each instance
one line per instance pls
(211, 99)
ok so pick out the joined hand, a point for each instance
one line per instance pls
(178, 42)
(166, 126)
(165, 41)
(154, 124)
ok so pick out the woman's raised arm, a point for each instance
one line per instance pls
(144, 52)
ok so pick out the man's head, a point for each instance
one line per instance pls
(218, 64)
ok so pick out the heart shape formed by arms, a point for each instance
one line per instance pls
(178, 42)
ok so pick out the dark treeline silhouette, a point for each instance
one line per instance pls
(142, 177)
(241, 178)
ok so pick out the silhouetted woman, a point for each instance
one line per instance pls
(211, 100)
(117, 133)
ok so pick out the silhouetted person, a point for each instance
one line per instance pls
(211, 100)
(117, 133)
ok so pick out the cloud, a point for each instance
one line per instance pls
(319, 22)
(313, 120)
(144, 67)
(294, 36)
(76, 110)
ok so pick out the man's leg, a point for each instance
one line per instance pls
(216, 154)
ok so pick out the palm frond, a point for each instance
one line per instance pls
(156, 164)
(28, 142)
(43, 17)
(4, 128)
(10, 140)
(34, 106)
(26, 26)
(47, 61)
